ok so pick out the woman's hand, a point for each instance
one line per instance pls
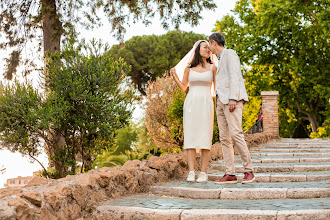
(184, 84)
(173, 73)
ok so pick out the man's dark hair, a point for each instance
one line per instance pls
(197, 59)
(219, 38)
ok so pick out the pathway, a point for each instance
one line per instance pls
(292, 182)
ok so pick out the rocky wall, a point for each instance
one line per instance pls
(75, 197)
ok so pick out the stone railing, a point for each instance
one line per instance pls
(270, 112)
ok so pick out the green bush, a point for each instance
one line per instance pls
(322, 132)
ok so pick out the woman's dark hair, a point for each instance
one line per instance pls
(198, 58)
(219, 38)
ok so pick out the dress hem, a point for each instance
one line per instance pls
(202, 148)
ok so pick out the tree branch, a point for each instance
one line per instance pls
(40, 164)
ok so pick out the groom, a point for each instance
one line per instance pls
(231, 95)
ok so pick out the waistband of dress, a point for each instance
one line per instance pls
(200, 83)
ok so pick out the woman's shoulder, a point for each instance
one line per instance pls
(187, 69)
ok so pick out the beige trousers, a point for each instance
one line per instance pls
(230, 129)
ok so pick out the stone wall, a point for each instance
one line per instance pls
(75, 197)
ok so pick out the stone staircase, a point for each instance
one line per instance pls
(292, 182)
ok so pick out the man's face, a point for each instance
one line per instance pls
(212, 46)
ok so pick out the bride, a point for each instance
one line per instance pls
(197, 70)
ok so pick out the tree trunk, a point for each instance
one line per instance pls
(52, 31)
(313, 121)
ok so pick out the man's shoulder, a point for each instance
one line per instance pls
(231, 51)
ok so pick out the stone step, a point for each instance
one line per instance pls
(288, 154)
(315, 143)
(285, 160)
(149, 207)
(280, 146)
(275, 156)
(211, 190)
(276, 167)
(302, 140)
(290, 150)
(278, 177)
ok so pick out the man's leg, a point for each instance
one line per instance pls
(226, 143)
(234, 120)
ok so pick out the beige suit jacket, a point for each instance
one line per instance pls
(229, 78)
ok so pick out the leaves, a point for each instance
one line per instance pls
(20, 124)
(86, 103)
(151, 56)
(284, 46)
(25, 21)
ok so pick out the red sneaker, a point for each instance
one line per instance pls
(227, 179)
(248, 177)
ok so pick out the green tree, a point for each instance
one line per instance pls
(322, 132)
(285, 44)
(21, 128)
(47, 21)
(250, 112)
(145, 144)
(107, 159)
(151, 56)
(125, 139)
(86, 104)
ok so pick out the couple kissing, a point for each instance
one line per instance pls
(212, 70)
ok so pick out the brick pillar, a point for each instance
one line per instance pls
(270, 112)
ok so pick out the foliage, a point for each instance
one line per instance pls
(124, 139)
(164, 114)
(285, 46)
(145, 144)
(322, 132)
(140, 144)
(21, 127)
(175, 115)
(159, 99)
(250, 112)
(107, 159)
(45, 21)
(151, 56)
(85, 103)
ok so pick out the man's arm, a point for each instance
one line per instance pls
(234, 68)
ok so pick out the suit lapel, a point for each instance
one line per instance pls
(221, 59)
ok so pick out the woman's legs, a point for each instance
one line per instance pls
(191, 156)
(205, 156)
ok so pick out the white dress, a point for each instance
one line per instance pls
(198, 112)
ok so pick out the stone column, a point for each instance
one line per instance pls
(270, 112)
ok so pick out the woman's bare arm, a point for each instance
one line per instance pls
(184, 84)
(214, 70)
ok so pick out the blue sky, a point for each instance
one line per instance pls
(15, 164)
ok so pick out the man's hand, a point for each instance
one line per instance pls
(232, 105)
